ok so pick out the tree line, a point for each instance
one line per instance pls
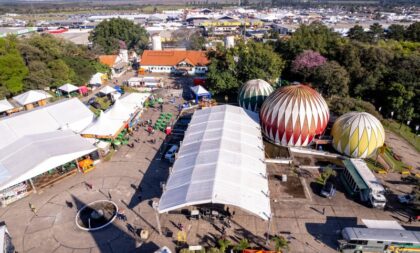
(353, 73)
(41, 61)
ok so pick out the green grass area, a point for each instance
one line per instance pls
(105, 104)
(404, 131)
(396, 165)
(373, 165)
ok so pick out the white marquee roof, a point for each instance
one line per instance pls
(119, 111)
(221, 160)
(68, 87)
(107, 90)
(199, 90)
(103, 126)
(33, 155)
(134, 100)
(64, 114)
(5, 105)
(31, 96)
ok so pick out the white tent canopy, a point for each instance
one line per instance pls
(68, 88)
(5, 105)
(199, 90)
(221, 160)
(65, 114)
(107, 90)
(31, 96)
(134, 100)
(96, 78)
(119, 111)
(103, 126)
(32, 155)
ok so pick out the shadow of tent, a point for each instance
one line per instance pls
(328, 232)
(112, 238)
(158, 171)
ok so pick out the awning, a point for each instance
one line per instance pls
(33, 155)
(221, 160)
(31, 96)
(5, 105)
(107, 90)
(200, 91)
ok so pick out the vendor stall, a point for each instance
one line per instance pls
(14, 193)
(86, 165)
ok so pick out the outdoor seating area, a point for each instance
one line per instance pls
(163, 121)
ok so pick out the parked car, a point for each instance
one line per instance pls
(328, 190)
(406, 199)
(91, 100)
(170, 154)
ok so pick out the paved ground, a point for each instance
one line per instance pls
(312, 224)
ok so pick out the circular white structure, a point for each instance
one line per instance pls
(357, 134)
(95, 214)
(156, 42)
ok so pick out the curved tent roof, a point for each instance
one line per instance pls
(31, 96)
(68, 87)
(32, 155)
(221, 160)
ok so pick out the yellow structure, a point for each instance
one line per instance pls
(357, 134)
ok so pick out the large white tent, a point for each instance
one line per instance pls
(68, 87)
(134, 100)
(31, 96)
(32, 155)
(221, 160)
(65, 114)
(119, 111)
(103, 127)
(5, 105)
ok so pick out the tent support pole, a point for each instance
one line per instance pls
(267, 237)
(32, 185)
(77, 164)
(158, 223)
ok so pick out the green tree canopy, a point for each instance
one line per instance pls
(109, 33)
(332, 79)
(413, 32)
(395, 32)
(358, 33)
(12, 67)
(231, 67)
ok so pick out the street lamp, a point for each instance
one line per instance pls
(226, 99)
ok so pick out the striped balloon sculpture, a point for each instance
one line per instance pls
(293, 115)
(357, 134)
(253, 93)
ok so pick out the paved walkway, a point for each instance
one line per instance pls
(409, 154)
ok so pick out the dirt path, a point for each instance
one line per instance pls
(409, 154)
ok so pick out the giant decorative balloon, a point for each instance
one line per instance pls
(253, 93)
(293, 115)
(357, 134)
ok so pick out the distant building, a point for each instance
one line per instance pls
(192, 62)
(117, 63)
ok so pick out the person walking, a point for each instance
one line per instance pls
(410, 219)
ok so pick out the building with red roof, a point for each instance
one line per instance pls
(172, 61)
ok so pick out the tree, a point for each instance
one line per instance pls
(358, 33)
(280, 243)
(376, 32)
(39, 77)
(413, 32)
(109, 33)
(231, 67)
(325, 175)
(341, 105)
(12, 67)
(242, 245)
(316, 37)
(306, 63)
(223, 244)
(398, 100)
(61, 73)
(332, 79)
(395, 32)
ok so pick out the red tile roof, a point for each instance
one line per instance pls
(172, 58)
(108, 60)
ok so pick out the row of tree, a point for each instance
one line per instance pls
(43, 61)
(385, 73)
(394, 32)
